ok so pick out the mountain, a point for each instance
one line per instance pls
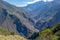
(49, 17)
(16, 20)
(29, 20)
(38, 8)
(33, 7)
(46, 14)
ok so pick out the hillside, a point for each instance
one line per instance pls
(14, 19)
(5, 35)
(45, 14)
(11, 37)
(52, 33)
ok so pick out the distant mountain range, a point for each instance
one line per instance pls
(45, 14)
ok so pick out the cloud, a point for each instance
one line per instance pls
(47, 0)
(27, 3)
(33, 1)
(22, 5)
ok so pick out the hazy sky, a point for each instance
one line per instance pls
(21, 3)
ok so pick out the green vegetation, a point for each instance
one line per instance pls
(50, 33)
(3, 31)
(5, 35)
(12, 33)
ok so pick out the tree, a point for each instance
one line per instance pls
(46, 34)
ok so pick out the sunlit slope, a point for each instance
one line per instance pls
(5, 35)
(12, 37)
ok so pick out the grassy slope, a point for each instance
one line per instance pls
(5, 35)
(11, 37)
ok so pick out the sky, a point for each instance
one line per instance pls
(22, 3)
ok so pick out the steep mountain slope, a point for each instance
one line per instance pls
(38, 8)
(46, 15)
(33, 7)
(15, 20)
(49, 17)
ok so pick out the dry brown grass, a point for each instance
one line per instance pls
(12, 37)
